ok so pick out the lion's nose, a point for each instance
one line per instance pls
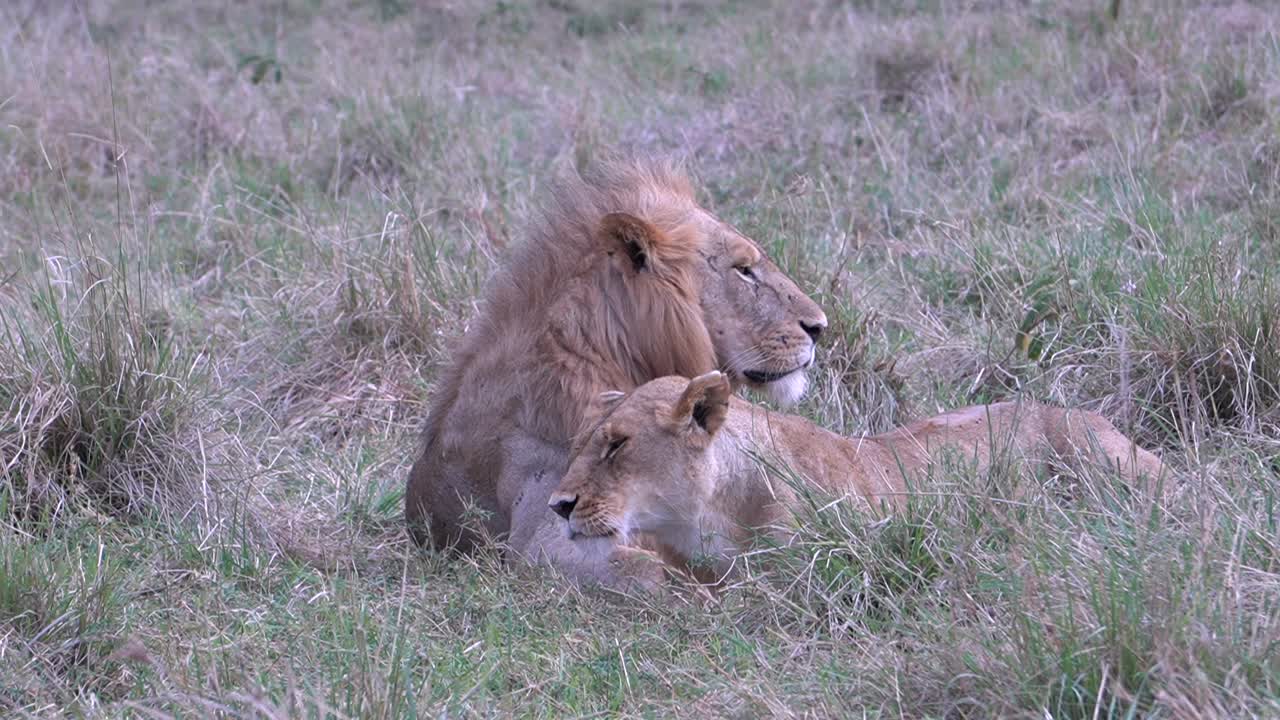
(814, 328)
(563, 505)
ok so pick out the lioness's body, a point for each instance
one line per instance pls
(679, 461)
(623, 280)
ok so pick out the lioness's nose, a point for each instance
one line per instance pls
(563, 505)
(814, 328)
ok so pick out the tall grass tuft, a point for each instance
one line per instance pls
(1212, 347)
(96, 394)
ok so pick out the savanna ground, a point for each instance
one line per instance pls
(236, 243)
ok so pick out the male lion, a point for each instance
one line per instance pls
(672, 462)
(624, 279)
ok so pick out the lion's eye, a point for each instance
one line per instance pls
(745, 271)
(614, 447)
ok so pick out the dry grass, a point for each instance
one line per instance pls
(235, 245)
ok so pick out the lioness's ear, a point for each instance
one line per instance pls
(704, 404)
(633, 236)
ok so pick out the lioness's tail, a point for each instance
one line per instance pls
(1080, 435)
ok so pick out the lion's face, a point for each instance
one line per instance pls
(763, 328)
(645, 464)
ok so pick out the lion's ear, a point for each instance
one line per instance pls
(704, 404)
(635, 237)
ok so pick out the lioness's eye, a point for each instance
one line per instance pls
(614, 447)
(745, 271)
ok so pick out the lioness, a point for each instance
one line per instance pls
(625, 278)
(672, 462)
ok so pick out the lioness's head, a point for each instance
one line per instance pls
(644, 465)
(762, 329)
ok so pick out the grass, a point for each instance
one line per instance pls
(236, 246)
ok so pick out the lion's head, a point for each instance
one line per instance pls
(675, 270)
(644, 465)
(763, 328)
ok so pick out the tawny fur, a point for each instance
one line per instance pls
(675, 462)
(623, 279)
